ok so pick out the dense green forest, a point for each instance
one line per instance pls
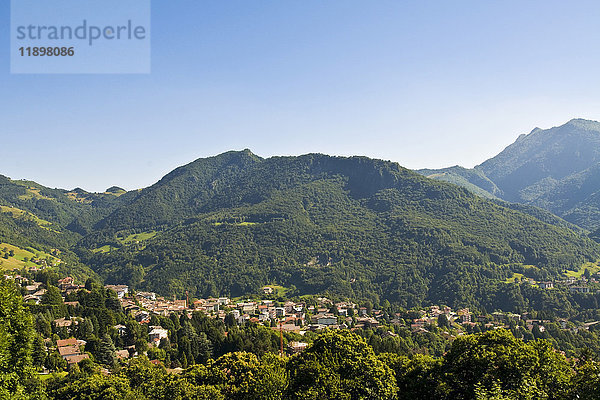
(353, 227)
(348, 226)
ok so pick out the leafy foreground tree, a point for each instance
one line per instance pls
(497, 362)
(16, 342)
(488, 366)
(340, 365)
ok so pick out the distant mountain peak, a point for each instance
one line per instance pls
(583, 124)
(115, 189)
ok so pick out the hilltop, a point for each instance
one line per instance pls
(349, 226)
(556, 169)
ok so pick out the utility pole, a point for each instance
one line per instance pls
(281, 338)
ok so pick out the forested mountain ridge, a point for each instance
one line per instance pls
(74, 211)
(352, 226)
(557, 169)
(180, 194)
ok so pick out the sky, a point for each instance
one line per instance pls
(427, 84)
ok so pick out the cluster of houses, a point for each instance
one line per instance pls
(70, 350)
(571, 283)
(290, 316)
(464, 318)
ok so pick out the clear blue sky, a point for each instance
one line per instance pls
(423, 83)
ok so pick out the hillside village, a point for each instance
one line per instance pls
(298, 317)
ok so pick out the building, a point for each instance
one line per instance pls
(121, 290)
(157, 333)
(267, 290)
(327, 320)
(297, 347)
(579, 289)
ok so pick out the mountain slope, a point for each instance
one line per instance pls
(472, 179)
(74, 212)
(556, 169)
(180, 194)
(352, 226)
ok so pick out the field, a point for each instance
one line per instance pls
(19, 257)
(18, 213)
(127, 240)
(593, 267)
(138, 237)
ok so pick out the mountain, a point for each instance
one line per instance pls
(472, 179)
(75, 212)
(350, 226)
(557, 169)
(47, 220)
(316, 224)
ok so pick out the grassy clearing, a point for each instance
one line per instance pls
(519, 277)
(20, 255)
(18, 213)
(138, 237)
(76, 197)
(34, 193)
(514, 278)
(104, 249)
(278, 290)
(45, 377)
(127, 240)
(237, 223)
(593, 267)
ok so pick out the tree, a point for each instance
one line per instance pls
(242, 376)
(586, 382)
(230, 320)
(42, 325)
(496, 359)
(39, 352)
(416, 377)
(105, 353)
(340, 365)
(16, 339)
(52, 296)
(443, 321)
(95, 386)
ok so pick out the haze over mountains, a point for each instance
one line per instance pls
(351, 226)
(557, 169)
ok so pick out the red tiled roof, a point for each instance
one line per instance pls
(66, 342)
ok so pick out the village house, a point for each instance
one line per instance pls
(579, 289)
(121, 329)
(267, 290)
(65, 282)
(121, 290)
(69, 349)
(297, 347)
(147, 295)
(546, 285)
(157, 333)
(64, 322)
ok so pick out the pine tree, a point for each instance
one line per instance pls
(39, 352)
(106, 351)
